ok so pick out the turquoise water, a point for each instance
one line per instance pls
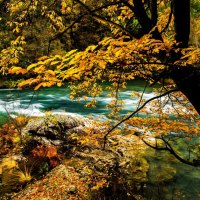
(185, 183)
(57, 100)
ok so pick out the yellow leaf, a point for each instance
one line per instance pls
(17, 30)
(59, 84)
(61, 66)
(51, 72)
(17, 70)
(38, 86)
(118, 53)
(102, 64)
(91, 48)
(32, 66)
(26, 82)
(42, 58)
(70, 53)
(55, 63)
(39, 69)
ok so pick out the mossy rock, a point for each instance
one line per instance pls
(55, 126)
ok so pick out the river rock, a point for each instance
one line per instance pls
(55, 129)
(56, 126)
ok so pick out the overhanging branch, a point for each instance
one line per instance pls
(171, 151)
(136, 111)
(97, 17)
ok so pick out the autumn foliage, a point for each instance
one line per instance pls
(133, 39)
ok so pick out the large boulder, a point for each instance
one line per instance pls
(56, 126)
(54, 129)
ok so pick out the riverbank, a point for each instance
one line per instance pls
(73, 164)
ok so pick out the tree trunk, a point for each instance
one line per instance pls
(181, 10)
(142, 17)
(188, 80)
(154, 12)
(145, 22)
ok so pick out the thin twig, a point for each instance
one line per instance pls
(171, 150)
(97, 17)
(77, 20)
(136, 111)
(142, 95)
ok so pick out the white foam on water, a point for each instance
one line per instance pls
(18, 107)
(128, 102)
(149, 95)
(25, 106)
(51, 96)
(105, 99)
(127, 93)
(64, 98)
(10, 89)
(60, 112)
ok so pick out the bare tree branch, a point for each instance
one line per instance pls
(171, 150)
(97, 17)
(136, 111)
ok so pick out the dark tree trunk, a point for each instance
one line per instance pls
(188, 80)
(181, 10)
(154, 12)
(145, 22)
(142, 16)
